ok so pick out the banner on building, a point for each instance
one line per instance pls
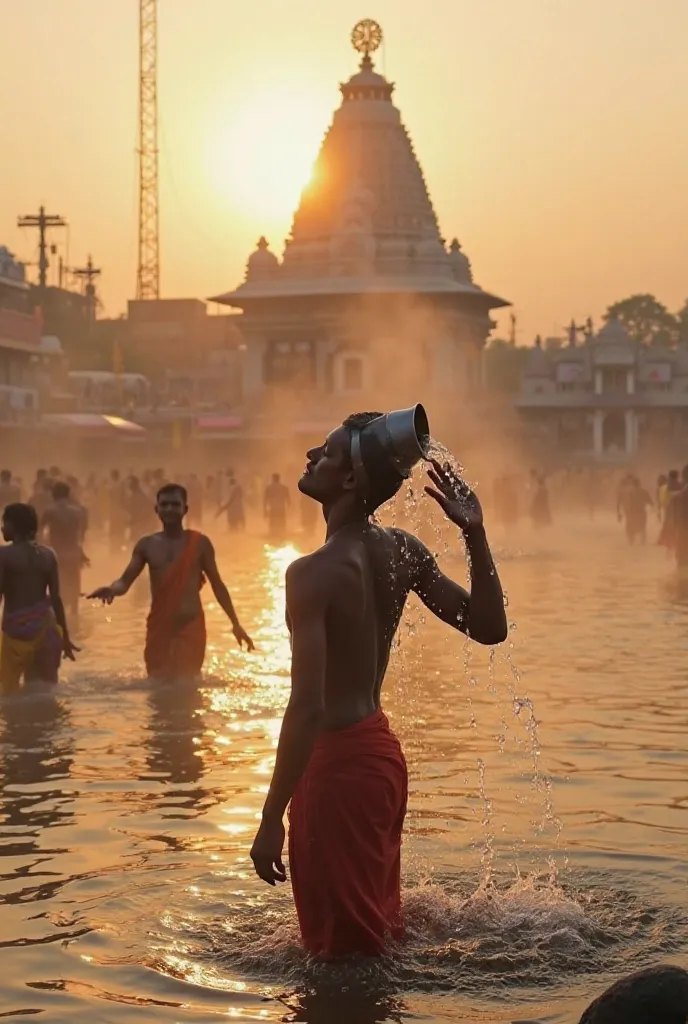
(659, 373)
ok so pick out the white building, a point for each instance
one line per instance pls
(609, 398)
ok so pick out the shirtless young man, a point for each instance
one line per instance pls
(178, 561)
(34, 630)
(337, 760)
(63, 524)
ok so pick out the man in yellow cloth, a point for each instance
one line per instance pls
(34, 629)
(179, 561)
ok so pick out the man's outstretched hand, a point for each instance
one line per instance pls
(266, 852)
(105, 594)
(69, 649)
(242, 638)
(458, 502)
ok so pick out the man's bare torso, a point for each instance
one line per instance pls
(26, 572)
(64, 523)
(160, 553)
(368, 573)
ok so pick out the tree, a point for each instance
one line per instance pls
(682, 318)
(646, 319)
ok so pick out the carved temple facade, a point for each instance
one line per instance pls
(367, 305)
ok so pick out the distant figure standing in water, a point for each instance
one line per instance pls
(674, 533)
(276, 504)
(140, 508)
(179, 561)
(337, 760)
(10, 492)
(34, 628)
(63, 524)
(234, 506)
(117, 511)
(662, 496)
(633, 502)
(540, 510)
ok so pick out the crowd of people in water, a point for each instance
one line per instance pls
(120, 506)
(339, 767)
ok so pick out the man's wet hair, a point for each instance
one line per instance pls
(60, 490)
(173, 489)
(384, 480)
(6, 475)
(23, 518)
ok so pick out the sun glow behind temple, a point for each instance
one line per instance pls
(263, 158)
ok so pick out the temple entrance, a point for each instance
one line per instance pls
(614, 432)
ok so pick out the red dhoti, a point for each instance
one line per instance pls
(175, 648)
(345, 824)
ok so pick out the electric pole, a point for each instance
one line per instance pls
(88, 275)
(148, 276)
(42, 221)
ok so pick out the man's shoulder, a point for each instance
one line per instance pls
(313, 572)
(148, 540)
(202, 540)
(407, 543)
(46, 554)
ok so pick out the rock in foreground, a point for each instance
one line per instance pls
(658, 995)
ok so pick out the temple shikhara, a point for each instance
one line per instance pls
(367, 303)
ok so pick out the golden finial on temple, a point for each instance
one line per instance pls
(366, 37)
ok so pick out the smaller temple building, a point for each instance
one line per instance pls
(607, 399)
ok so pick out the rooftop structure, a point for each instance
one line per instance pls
(608, 398)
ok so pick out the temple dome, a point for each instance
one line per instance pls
(613, 333)
(460, 263)
(367, 84)
(262, 263)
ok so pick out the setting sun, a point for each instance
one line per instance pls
(264, 156)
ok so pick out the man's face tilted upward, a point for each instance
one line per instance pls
(329, 473)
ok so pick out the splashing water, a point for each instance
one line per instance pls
(412, 513)
(524, 933)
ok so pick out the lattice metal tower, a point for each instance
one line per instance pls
(148, 277)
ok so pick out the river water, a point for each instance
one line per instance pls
(545, 846)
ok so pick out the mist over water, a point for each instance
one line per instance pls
(545, 835)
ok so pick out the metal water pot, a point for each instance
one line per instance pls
(402, 436)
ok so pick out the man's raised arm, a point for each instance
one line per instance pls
(307, 601)
(132, 572)
(480, 614)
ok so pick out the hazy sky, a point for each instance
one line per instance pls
(553, 135)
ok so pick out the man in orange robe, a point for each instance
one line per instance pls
(179, 562)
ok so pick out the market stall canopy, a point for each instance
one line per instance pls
(93, 424)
